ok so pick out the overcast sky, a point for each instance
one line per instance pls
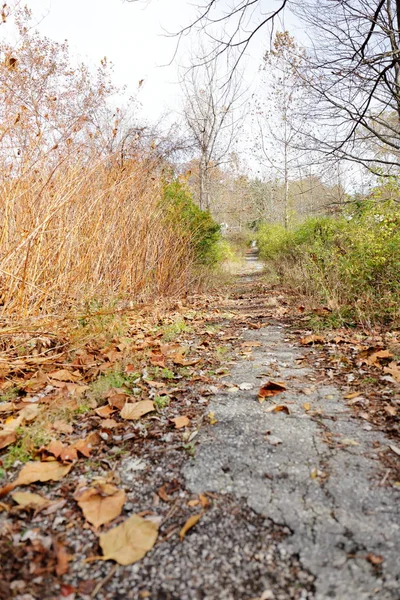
(129, 34)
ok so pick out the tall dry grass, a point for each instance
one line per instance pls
(86, 232)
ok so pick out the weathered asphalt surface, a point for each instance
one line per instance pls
(317, 475)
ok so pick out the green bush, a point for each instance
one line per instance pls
(351, 262)
(202, 230)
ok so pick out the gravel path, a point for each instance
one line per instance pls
(318, 476)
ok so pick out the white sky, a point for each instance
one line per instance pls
(130, 35)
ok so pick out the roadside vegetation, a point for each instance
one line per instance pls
(349, 262)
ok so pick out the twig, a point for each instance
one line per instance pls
(103, 581)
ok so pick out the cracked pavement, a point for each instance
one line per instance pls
(315, 472)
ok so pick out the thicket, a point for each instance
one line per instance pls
(202, 233)
(84, 209)
(351, 263)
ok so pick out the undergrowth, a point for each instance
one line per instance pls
(350, 263)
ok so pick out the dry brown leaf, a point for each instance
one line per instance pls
(352, 395)
(130, 541)
(118, 400)
(391, 410)
(181, 422)
(377, 356)
(41, 471)
(108, 424)
(28, 499)
(269, 389)
(100, 504)
(312, 339)
(191, 522)
(64, 375)
(63, 559)
(374, 559)
(6, 406)
(133, 411)
(55, 447)
(157, 359)
(69, 454)
(104, 411)
(394, 370)
(7, 438)
(204, 501)
(278, 408)
(251, 345)
(395, 449)
(82, 447)
(62, 427)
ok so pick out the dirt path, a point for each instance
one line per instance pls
(293, 502)
(298, 506)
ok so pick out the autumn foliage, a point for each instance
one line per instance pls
(81, 212)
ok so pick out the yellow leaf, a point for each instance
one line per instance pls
(191, 522)
(133, 411)
(100, 506)
(306, 406)
(130, 541)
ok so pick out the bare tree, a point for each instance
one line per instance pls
(212, 113)
(353, 68)
(280, 115)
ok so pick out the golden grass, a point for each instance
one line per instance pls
(87, 232)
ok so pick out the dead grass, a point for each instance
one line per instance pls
(87, 235)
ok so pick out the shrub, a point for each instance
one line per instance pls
(201, 230)
(351, 262)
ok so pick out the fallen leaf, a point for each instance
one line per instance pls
(204, 501)
(62, 427)
(7, 438)
(82, 447)
(306, 406)
(348, 442)
(6, 406)
(312, 339)
(395, 449)
(104, 411)
(100, 504)
(55, 447)
(352, 395)
(63, 559)
(211, 418)
(191, 522)
(63, 375)
(394, 370)
(181, 422)
(108, 424)
(130, 541)
(391, 410)
(69, 454)
(251, 345)
(133, 411)
(27, 499)
(41, 471)
(278, 408)
(246, 386)
(374, 559)
(273, 440)
(269, 389)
